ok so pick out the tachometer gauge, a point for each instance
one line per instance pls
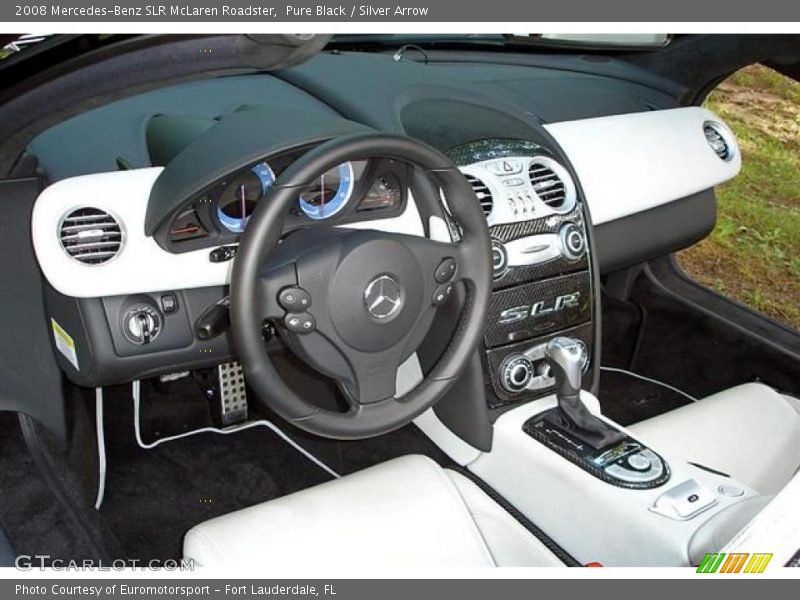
(329, 193)
(239, 198)
(384, 193)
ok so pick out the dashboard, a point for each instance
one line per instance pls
(153, 244)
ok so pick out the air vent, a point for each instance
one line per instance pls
(547, 184)
(718, 142)
(90, 236)
(482, 192)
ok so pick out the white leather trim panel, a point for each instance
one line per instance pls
(635, 162)
(510, 544)
(404, 512)
(749, 432)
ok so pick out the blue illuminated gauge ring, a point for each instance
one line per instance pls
(236, 225)
(339, 200)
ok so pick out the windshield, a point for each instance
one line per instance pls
(562, 41)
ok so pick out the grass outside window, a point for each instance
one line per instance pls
(753, 254)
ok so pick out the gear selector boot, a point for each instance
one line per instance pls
(583, 438)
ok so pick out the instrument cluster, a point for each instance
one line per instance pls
(352, 191)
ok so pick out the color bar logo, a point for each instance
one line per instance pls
(734, 562)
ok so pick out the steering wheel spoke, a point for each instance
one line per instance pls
(372, 380)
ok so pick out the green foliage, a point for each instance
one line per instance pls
(753, 255)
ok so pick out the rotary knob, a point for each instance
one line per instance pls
(141, 324)
(573, 242)
(516, 373)
(499, 259)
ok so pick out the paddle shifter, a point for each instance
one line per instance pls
(583, 438)
(565, 356)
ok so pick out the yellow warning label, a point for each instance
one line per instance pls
(65, 344)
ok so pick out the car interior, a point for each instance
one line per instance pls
(386, 300)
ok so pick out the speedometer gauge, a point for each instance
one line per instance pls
(329, 193)
(238, 200)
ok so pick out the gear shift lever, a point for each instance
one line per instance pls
(565, 357)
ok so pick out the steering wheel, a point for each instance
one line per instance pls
(355, 304)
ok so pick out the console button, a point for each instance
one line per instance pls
(294, 299)
(222, 254)
(169, 303)
(684, 501)
(637, 462)
(301, 323)
(505, 167)
(445, 271)
(441, 294)
(731, 490)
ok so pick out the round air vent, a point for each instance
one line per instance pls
(482, 192)
(718, 139)
(552, 184)
(90, 235)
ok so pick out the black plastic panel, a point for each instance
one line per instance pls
(655, 232)
(30, 381)
(90, 322)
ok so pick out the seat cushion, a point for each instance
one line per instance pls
(405, 512)
(749, 432)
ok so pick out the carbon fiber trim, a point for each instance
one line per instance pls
(559, 266)
(534, 427)
(497, 396)
(550, 224)
(481, 150)
(540, 297)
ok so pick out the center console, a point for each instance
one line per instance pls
(542, 265)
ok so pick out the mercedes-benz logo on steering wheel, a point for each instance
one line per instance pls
(383, 298)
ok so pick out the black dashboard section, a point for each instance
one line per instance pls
(117, 129)
(447, 123)
(656, 232)
(238, 140)
(30, 381)
(107, 357)
(531, 93)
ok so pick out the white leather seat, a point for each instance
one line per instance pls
(405, 512)
(749, 432)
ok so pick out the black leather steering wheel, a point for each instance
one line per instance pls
(355, 304)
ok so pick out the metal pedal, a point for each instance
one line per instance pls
(232, 393)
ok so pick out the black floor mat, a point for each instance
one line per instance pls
(628, 400)
(35, 522)
(154, 496)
